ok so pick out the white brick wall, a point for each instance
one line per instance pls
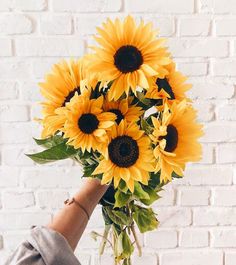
(197, 213)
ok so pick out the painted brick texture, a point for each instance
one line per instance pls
(197, 213)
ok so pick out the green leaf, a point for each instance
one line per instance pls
(139, 192)
(145, 126)
(153, 196)
(118, 217)
(126, 262)
(106, 218)
(124, 246)
(58, 152)
(121, 198)
(145, 218)
(88, 170)
(174, 175)
(144, 100)
(154, 180)
(122, 186)
(51, 141)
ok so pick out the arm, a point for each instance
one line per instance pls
(72, 220)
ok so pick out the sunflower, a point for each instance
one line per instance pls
(128, 157)
(59, 87)
(55, 122)
(123, 110)
(61, 84)
(86, 124)
(175, 138)
(171, 86)
(128, 55)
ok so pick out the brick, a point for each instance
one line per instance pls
(226, 153)
(161, 6)
(12, 133)
(5, 46)
(42, 66)
(193, 69)
(209, 257)
(51, 199)
(87, 242)
(218, 216)
(43, 177)
(22, 220)
(85, 24)
(146, 258)
(49, 47)
(17, 199)
(224, 197)
(106, 258)
(217, 6)
(15, 156)
(194, 197)
(224, 27)
(167, 197)
(211, 90)
(199, 26)
(193, 238)
(230, 258)
(224, 68)
(1, 242)
(209, 175)
(55, 25)
(84, 258)
(14, 113)
(30, 91)
(29, 5)
(224, 238)
(161, 239)
(5, 5)
(174, 217)
(14, 69)
(165, 25)
(205, 110)
(206, 47)
(215, 134)
(8, 176)
(12, 239)
(86, 6)
(8, 90)
(207, 154)
(227, 112)
(4, 255)
(15, 24)
(96, 221)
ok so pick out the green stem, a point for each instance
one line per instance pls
(136, 240)
(104, 239)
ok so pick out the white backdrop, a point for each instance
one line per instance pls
(197, 214)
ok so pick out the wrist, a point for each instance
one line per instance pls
(90, 193)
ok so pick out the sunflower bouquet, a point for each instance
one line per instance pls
(121, 112)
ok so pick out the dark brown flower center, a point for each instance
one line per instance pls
(123, 151)
(119, 115)
(128, 59)
(164, 84)
(88, 123)
(70, 96)
(171, 138)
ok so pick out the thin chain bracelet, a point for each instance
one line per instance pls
(70, 201)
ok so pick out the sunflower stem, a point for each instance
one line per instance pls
(105, 239)
(136, 240)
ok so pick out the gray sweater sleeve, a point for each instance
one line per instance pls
(43, 247)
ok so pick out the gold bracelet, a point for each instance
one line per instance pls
(70, 201)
